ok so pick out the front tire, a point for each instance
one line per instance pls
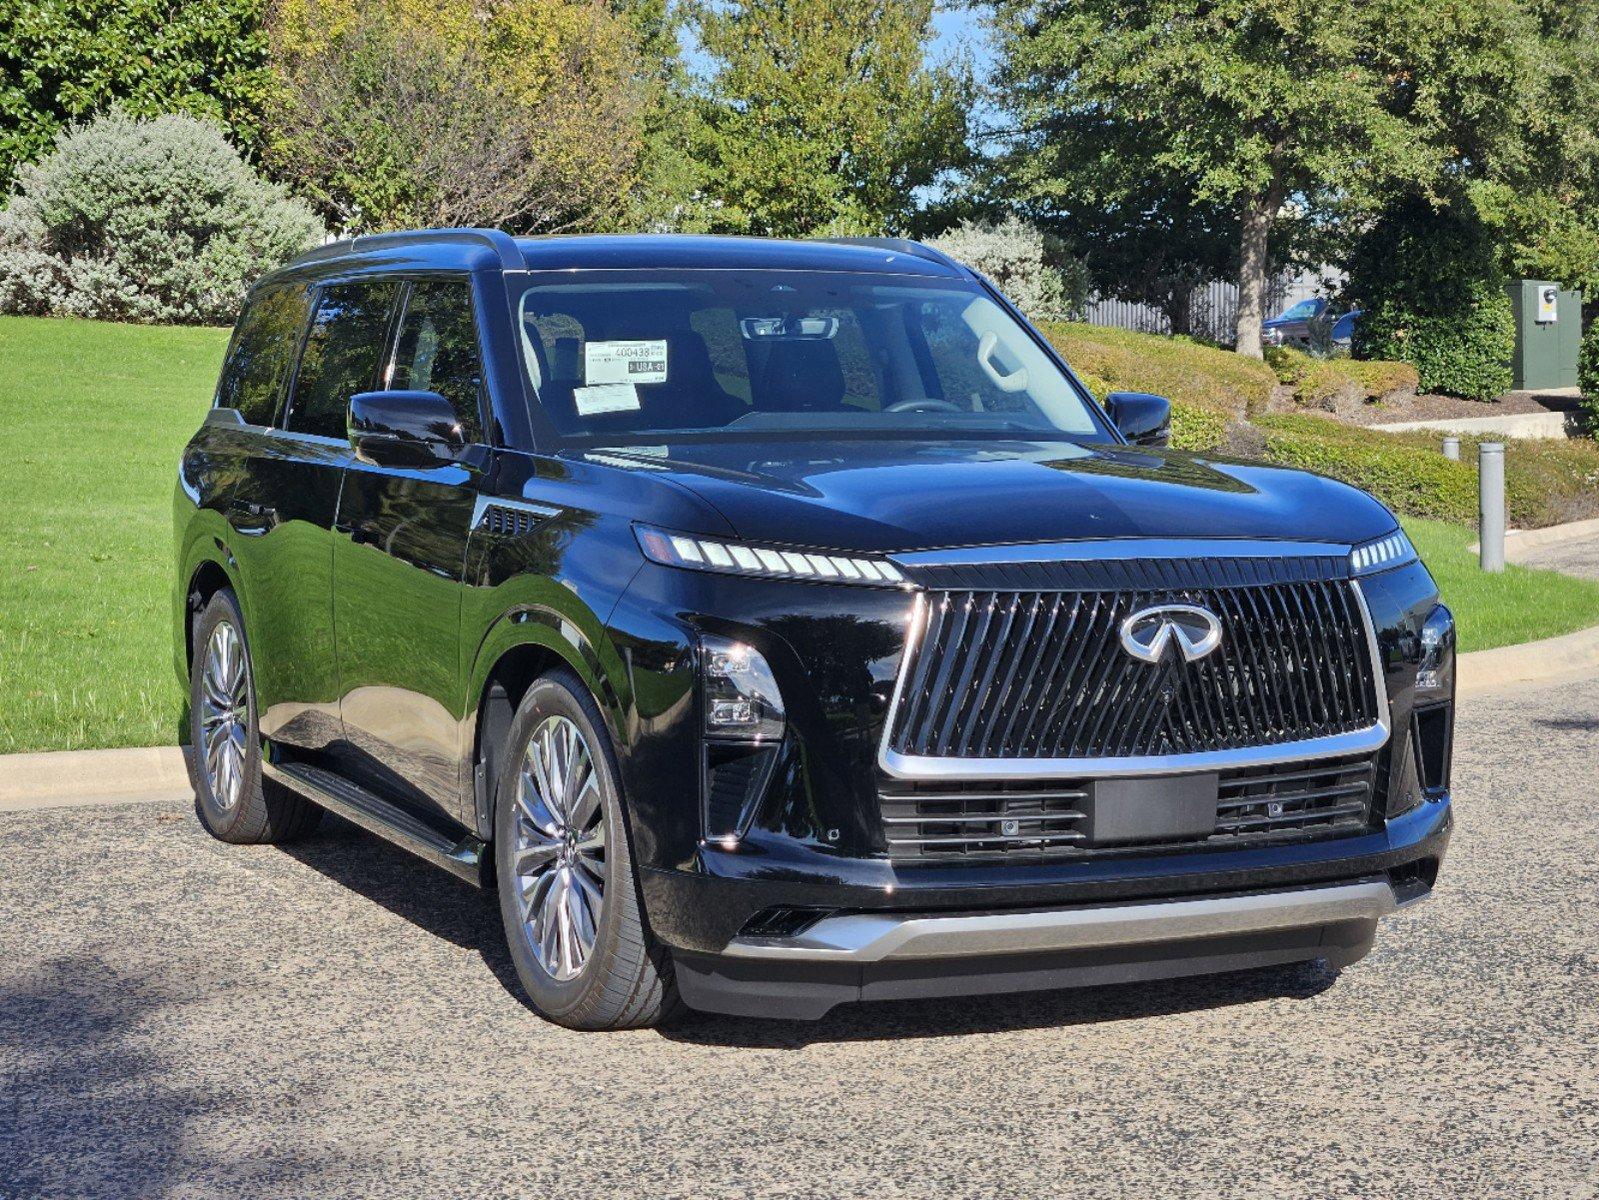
(235, 804)
(568, 894)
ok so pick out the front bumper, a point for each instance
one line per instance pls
(941, 932)
(895, 957)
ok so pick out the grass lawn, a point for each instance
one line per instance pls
(1520, 605)
(94, 418)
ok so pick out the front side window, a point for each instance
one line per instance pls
(262, 352)
(636, 353)
(437, 350)
(341, 356)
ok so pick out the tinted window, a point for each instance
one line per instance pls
(636, 352)
(263, 348)
(436, 350)
(341, 355)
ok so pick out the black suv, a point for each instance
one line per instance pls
(778, 624)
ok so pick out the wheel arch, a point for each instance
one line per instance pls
(207, 577)
(520, 647)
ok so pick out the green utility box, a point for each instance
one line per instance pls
(1548, 335)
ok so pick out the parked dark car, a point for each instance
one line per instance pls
(1312, 325)
(778, 624)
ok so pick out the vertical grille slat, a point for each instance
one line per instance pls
(1039, 674)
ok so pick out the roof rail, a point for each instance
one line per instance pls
(502, 243)
(901, 246)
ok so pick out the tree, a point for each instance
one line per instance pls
(667, 194)
(1234, 106)
(824, 115)
(523, 114)
(63, 61)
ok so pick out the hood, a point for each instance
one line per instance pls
(896, 495)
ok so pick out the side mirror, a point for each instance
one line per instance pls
(1144, 420)
(415, 429)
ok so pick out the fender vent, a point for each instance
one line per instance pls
(514, 521)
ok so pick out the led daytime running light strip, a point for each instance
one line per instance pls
(1382, 554)
(736, 558)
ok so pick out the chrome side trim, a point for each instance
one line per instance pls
(915, 767)
(1118, 548)
(879, 937)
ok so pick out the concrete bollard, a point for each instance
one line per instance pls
(1452, 449)
(1491, 505)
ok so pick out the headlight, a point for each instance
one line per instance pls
(739, 558)
(741, 696)
(1383, 554)
(1436, 675)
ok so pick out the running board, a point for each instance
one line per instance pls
(462, 858)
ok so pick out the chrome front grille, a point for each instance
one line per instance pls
(1039, 676)
(940, 822)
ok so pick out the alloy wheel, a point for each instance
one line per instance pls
(224, 714)
(560, 848)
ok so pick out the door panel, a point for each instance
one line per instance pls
(282, 515)
(398, 562)
(397, 605)
(283, 512)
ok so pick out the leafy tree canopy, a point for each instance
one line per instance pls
(525, 114)
(824, 114)
(63, 61)
(1256, 108)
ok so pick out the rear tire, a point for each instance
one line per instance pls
(569, 896)
(234, 803)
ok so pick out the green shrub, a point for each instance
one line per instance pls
(1382, 378)
(144, 220)
(1184, 371)
(1588, 375)
(1546, 482)
(1405, 472)
(1318, 382)
(1434, 296)
(1199, 429)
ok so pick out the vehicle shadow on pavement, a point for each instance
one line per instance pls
(466, 917)
(432, 900)
(895, 1020)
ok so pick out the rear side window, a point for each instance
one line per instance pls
(263, 349)
(341, 357)
(437, 350)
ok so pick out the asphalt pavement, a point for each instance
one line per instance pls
(183, 1018)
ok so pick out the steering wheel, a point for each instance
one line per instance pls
(924, 404)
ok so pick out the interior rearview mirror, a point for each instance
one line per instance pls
(1144, 420)
(405, 428)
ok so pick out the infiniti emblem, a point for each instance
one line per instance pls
(1146, 634)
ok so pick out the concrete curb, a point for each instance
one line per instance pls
(1516, 426)
(59, 778)
(63, 778)
(1510, 668)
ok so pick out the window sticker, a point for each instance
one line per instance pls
(605, 398)
(624, 362)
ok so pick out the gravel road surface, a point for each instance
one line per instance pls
(184, 1018)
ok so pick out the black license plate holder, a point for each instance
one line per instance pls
(1152, 808)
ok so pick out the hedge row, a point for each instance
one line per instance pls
(1546, 481)
(1190, 373)
(1321, 382)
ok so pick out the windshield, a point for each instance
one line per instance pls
(1302, 311)
(627, 353)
